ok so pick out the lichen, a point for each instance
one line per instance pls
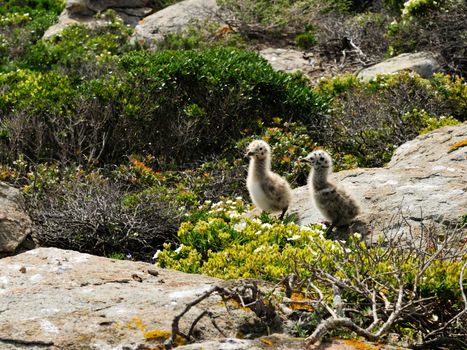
(457, 145)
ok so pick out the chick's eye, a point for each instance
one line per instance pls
(261, 148)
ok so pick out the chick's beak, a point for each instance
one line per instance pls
(248, 154)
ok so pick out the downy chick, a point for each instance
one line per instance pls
(268, 191)
(333, 201)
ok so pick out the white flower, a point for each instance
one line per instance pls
(258, 232)
(240, 226)
(179, 249)
(233, 215)
(348, 251)
(156, 254)
(293, 238)
(357, 235)
(208, 202)
(229, 202)
(260, 248)
(239, 198)
(266, 225)
(434, 317)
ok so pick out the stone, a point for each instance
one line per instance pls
(81, 301)
(15, 223)
(288, 60)
(425, 182)
(423, 63)
(173, 19)
(83, 12)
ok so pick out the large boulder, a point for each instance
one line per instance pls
(84, 11)
(15, 224)
(423, 63)
(69, 300)
(174, 19)
(424, 184)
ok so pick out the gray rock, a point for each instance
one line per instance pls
(288, 60)
(15, 224)
(90, 7)
(423, 63)
(80, 301)
(174, 18)
(425, 182)
(83, 12)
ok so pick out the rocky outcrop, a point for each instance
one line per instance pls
(83, 12)
(425, 182)
(423, 63)
(69, 300)
(15, 224)
(288, 60)
(174, 18)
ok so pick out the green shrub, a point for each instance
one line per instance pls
(24, 6)
(183, 105)
(231, 90)
(223, 242)
(305, 40)
(369, 120)
(77, 46)
(439, 28)
(19, 31)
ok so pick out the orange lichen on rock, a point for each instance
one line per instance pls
(302, 302)
(361, 345)
(457, 145)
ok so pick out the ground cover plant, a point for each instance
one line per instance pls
(412, 286)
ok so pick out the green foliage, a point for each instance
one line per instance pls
(306, 40)
(228, 244)
(77, 45)
(24, 6)
(435, 26)
(19, 31)
(428, 123)
(420, 7)
(369, 120)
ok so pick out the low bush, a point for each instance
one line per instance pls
(93, 214)
(79, 51)
(19, 31)
(376, 287)
(369, 120)
(185, 105)
(440, 28)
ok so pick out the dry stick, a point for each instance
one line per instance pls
(333, 323)
(175, 327)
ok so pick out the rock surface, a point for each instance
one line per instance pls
(15, 224)
(288, 60)
(69, 300)
(83, 12)
(426, 181)
(424, 63)
(60, 299)
(174, 18)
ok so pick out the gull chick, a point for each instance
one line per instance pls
(268, 191)
(333, 201)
